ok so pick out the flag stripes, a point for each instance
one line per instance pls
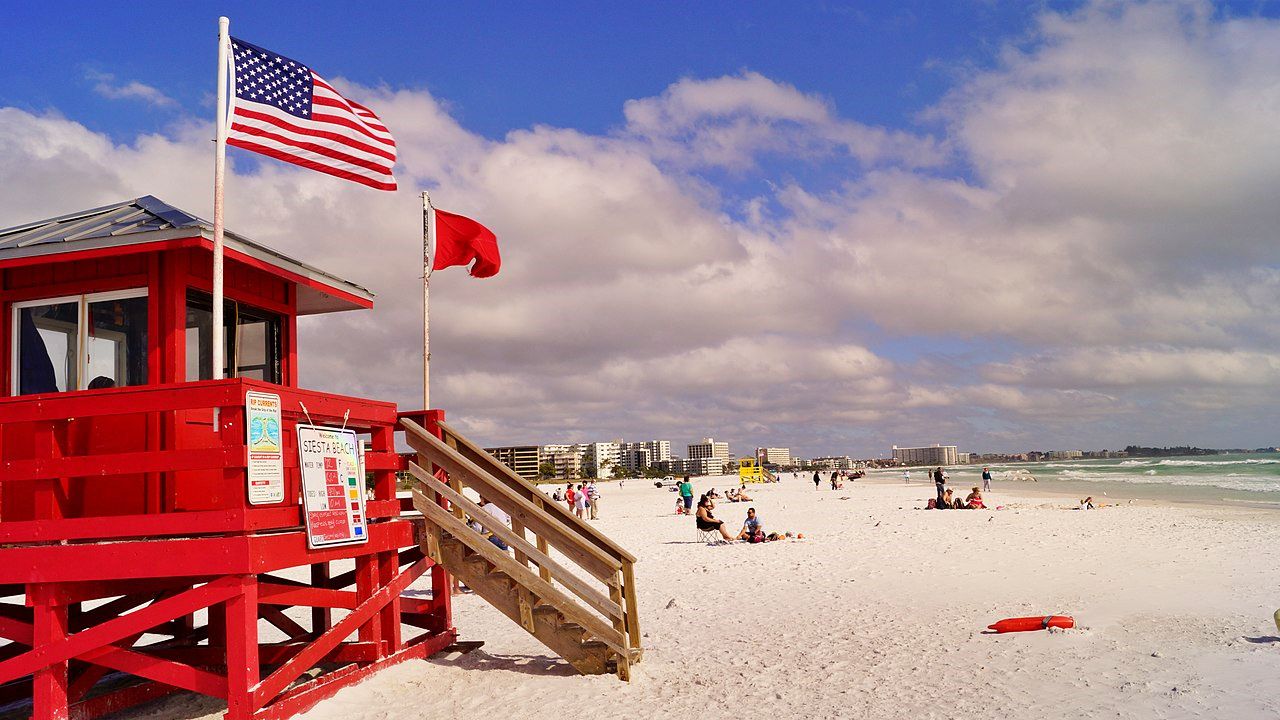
(285, 111)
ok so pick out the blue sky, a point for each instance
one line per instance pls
(503, 66)
(1008, 225)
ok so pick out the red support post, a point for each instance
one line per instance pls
(366, 586)
(242, 650)
(383, 441)
(49, 690)
(321, 617)
(441, 585)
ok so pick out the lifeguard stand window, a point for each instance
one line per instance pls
(255, 343)
(90, 341)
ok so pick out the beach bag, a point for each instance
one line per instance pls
(756, 537)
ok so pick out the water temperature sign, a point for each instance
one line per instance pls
(332, 486)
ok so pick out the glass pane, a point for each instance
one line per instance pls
(116, 343)
(252, 348)
(199, 338)
(47, 347)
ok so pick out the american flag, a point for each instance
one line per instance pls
(285, 110)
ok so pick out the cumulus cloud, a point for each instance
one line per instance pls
(729, 121)
(106, 85)
(1079, 252)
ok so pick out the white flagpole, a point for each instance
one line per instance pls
(428, 259)
(219, 171)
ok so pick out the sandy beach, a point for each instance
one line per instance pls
(880, 613)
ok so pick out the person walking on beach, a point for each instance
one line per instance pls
(817, 480)
(568, 495)
(940, 481)
(906, 476)
(580, 502)
(986, 479)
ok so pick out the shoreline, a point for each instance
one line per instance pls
(1109, 492)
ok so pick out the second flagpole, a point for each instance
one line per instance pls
(428, 257)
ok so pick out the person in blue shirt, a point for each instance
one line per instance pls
(751, 527)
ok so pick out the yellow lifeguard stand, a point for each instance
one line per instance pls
(750, 471)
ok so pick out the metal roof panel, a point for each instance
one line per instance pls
(149, 219)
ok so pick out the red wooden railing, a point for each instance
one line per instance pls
(134, 501)
(148, 461)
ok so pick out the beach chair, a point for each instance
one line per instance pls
(705, 536)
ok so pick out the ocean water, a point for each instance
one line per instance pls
(1236, 478)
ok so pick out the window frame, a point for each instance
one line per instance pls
(233, 309)
(82, 331)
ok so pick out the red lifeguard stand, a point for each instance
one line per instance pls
(132, 563)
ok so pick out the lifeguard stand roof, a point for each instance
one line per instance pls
(148, 223)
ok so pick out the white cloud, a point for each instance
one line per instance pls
(106, 85)
(1106, 267)
(729, 121)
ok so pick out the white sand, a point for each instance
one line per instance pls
(880, 612)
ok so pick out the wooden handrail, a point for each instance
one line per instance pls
(594, 560)
(521, 574)
(531, 509)
(593, 598)
(478, 456)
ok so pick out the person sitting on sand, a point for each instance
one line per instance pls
(947, 503)
(1087, 503)
(974, 501)
(742, 494)
(752, 528)
(712, 493)
(708, 522)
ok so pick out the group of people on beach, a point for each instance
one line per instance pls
(946, 500)
(752, 528)
(583, 500)
(836, 479)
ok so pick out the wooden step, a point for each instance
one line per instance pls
(536, 607)
(500, 577)
(554, 601)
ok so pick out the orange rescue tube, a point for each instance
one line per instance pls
(1024, 624)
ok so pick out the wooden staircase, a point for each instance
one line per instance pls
(588, 617)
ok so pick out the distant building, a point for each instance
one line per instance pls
(565, 460)
(523, 459)
(602, 459)
(1065, 454)
(643, 455)
(709, 448)
(932, 455)
(833, 462)
(777, 456)
(963, 458)
(706, 466)
(691, 466)
(673, 466)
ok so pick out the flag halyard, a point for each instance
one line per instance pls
(284, 110)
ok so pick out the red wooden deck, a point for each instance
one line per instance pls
(123, 518)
